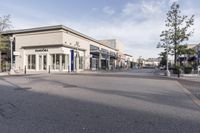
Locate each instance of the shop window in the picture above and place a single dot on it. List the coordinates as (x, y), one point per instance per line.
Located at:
(53, 60)
(59, 61)
(81, 62)
(65, 61)
(31, 62)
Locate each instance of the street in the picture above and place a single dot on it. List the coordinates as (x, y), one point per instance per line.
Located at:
(60, 103)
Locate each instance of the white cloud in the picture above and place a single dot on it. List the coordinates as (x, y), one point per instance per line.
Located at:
(143, 9)
(108, 10)
(172, 1)
(138, 26)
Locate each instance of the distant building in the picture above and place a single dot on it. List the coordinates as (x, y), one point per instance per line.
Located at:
(152, 62)
(124, 60)
(196, 57)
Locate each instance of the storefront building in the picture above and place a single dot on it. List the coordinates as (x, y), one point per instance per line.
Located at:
(58, 49)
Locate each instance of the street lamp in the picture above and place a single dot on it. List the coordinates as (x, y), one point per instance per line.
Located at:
(140, 62)
(77, 46)
(167, 64)
(11, 52)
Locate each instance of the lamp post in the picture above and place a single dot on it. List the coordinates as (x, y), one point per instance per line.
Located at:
(11, 53)
(167, 64)
(76, 46)
(140, 63)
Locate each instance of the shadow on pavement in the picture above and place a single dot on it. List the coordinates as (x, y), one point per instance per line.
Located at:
(27, 111)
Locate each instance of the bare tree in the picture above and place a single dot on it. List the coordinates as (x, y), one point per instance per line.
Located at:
(5, 23)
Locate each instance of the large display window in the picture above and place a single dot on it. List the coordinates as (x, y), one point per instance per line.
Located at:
(81, 62)
(59, 61)
(32, 62)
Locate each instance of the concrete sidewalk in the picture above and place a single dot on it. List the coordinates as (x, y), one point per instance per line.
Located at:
(4, 73)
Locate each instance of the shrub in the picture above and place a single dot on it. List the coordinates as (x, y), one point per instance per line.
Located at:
(176, 69)
(187, 70)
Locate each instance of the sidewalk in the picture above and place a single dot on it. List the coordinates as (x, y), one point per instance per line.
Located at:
(102, 71)
(189, 77)
(4, 74)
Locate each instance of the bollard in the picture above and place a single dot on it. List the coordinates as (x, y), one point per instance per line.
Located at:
(178, 73)
(49, 69)
(25, 70)
(68, 69)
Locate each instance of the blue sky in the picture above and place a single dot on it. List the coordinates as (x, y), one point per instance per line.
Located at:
(137, 23)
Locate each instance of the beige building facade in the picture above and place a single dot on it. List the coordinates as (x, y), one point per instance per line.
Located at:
(59, 48)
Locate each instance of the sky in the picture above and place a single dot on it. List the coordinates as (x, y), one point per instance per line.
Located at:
(136, 23)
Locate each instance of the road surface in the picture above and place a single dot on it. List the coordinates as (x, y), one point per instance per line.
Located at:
(95, 104)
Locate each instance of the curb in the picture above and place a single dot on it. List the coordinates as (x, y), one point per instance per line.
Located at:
(190, 95)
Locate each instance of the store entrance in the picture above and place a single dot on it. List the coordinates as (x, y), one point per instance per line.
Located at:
(42, 62)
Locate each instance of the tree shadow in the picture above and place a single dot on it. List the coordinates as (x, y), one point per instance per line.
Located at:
(169, 98)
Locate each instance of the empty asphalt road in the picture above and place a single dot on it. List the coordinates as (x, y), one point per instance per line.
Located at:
(95, 104)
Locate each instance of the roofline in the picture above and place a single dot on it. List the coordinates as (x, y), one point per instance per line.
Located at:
(128, 55)
(49, 28)
(52, 45)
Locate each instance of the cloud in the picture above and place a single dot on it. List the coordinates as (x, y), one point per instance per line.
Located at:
(108, 10)
(143, 9)
(172, 1)
(137, 25)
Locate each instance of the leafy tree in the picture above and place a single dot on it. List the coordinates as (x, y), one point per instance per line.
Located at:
(190, 52)
(177, 30)
(5, 24)
(184, 50)
(163, 61)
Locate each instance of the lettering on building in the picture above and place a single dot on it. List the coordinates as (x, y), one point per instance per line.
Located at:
(41, 50)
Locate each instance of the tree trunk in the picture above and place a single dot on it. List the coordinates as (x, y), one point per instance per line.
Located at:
(175, 40)
(175, 56)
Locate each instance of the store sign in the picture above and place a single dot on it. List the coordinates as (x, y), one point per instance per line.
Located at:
(41, 50)
(16, 53)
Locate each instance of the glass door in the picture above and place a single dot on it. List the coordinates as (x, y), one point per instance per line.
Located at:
(42, 62)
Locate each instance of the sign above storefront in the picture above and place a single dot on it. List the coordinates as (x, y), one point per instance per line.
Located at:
(41, 50)
(16, 53)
